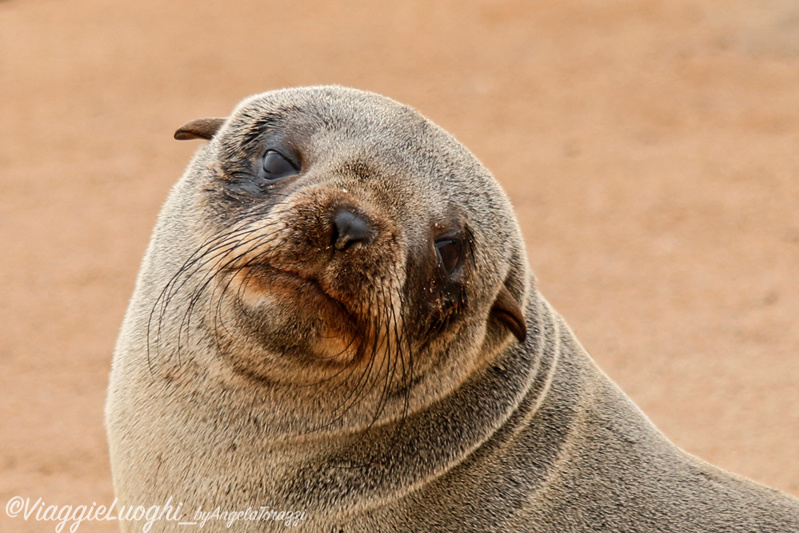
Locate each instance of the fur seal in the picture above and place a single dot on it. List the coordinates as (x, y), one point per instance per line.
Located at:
(335, 317)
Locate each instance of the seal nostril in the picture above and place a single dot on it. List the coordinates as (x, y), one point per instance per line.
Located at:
(348, 228)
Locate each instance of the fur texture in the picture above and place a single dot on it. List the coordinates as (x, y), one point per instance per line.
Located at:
(374, 388)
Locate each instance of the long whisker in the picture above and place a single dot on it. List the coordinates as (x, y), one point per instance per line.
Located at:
(210, 254)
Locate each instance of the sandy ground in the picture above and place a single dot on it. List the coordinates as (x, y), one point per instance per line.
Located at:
(651, 149)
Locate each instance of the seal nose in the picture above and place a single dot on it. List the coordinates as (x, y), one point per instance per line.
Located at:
(348, 228)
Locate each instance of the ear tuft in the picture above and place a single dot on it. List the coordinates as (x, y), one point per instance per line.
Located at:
(202, 128)
(508, 311)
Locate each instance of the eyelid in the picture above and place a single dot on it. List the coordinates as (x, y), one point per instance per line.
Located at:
(451, 235)
(290, 159)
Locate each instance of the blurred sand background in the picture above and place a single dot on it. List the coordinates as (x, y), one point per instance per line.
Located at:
(651, 149)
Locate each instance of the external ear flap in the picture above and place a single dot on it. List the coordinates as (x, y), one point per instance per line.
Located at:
(508, 311)
(202, 128)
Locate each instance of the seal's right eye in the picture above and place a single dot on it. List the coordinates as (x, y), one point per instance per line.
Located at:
(449, 251)
(275, 166)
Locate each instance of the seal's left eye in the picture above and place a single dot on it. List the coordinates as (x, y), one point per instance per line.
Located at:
(276, 166)
(449, 254)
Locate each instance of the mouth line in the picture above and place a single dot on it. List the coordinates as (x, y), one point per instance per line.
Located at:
(273, 277)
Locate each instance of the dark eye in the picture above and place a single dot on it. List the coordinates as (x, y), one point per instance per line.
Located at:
(275, 166)
(449, 255)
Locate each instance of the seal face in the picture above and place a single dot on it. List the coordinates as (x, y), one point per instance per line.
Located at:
(324, 264)
(335, 315)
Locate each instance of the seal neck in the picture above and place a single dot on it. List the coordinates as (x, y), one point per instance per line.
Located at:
(486, 410)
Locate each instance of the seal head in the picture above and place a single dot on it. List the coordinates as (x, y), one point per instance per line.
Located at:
(335, 245)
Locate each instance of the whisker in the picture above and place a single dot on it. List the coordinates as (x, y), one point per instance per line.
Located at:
(207, 258)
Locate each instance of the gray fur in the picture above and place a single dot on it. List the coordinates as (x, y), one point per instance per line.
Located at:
(491, 435)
